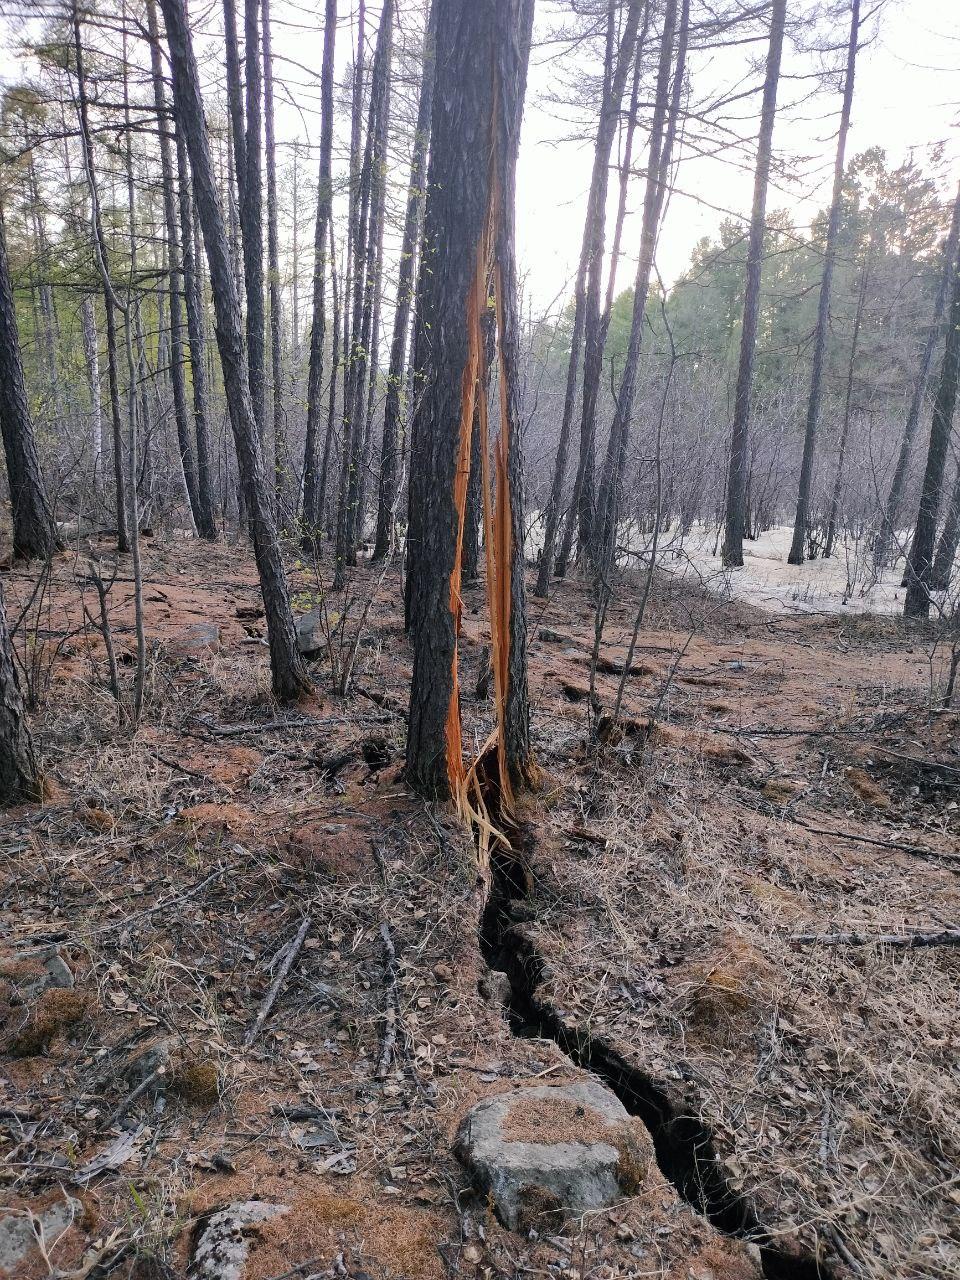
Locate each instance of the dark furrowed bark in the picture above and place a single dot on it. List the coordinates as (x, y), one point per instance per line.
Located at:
(32, 520)
(732, 552)
(19, 775)
(481, 67)
(287, 667)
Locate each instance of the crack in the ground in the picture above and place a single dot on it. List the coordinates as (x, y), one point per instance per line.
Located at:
(683, 1144)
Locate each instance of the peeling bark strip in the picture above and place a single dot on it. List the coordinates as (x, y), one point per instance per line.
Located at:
(468, 239)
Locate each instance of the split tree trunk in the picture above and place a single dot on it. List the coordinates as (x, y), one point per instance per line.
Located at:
(740, 440)
(468, 230)
(287, 667)
(801, 522)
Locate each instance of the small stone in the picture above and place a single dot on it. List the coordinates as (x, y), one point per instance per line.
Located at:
(18, 1238)
(495, 988)
(549, 1152)
(195, 641)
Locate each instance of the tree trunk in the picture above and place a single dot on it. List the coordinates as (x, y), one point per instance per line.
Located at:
(367, 229)
(468, 231)
(893, 511)
(109, 297)
(280, 463)
(847, 402)
(802, 518)
(591, 269)
(943, 561)
(732, 553)
(335, 364)
(197, 339)
(19, 775)
(312, 504)
(91, 352)
(662, 133)
(33, 529)
(287, 668)
(409, 253)
(176, 287)
(251, 215)
(919, 586)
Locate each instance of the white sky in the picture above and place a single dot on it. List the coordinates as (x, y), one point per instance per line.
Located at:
(907, 98)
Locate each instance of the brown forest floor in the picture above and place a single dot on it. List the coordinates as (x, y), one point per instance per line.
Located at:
(667, 879)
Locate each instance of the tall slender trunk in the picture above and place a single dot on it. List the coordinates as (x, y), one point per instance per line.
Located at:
(33, 529)
(619, 59)
(409, 255)
(312, 500)
(893, 510)
(335, 365)
(919, 561)
(175, 275)
(847, 405)
(802, 519)
(468, 232)
(132, 323)
(110, 305)
(570, 524)
(735, 518)
(280, 462)
(287, 668)
(197, 339)
(367, 229)
(251, 215)
(91, 352)
(662, 134)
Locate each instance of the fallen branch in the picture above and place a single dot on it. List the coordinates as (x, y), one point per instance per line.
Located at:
(919, 851)
(292, 951)
(949, 937)
(390, 1013)
(935, 766)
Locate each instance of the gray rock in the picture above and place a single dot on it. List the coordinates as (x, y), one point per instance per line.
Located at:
(195, 641)
(552, 1152)
(56, 973)
(312, 631)
(223, 1246)
(495, 988)
(18, 1236)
